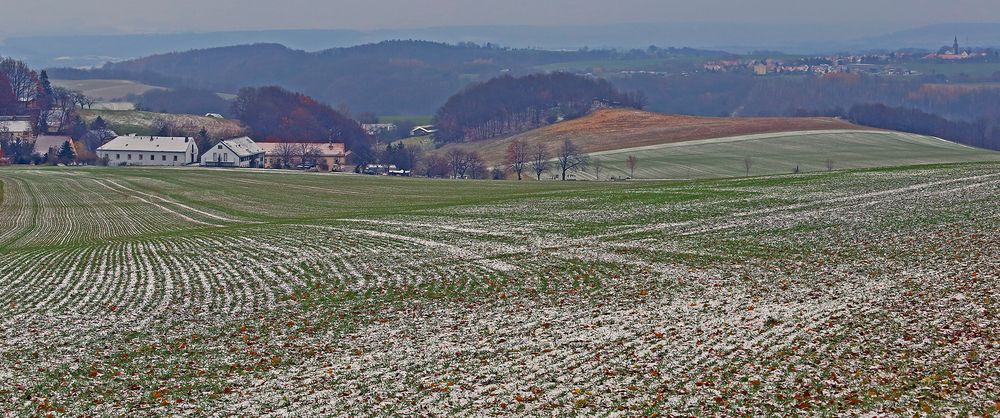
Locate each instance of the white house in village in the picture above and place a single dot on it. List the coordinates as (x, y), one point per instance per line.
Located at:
(236, 152)
(150, 151)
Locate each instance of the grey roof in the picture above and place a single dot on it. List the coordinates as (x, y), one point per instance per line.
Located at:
(243, 146)
(147, 144)
(44, 142)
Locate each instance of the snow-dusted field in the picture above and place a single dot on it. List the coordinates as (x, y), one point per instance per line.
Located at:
(216, 293)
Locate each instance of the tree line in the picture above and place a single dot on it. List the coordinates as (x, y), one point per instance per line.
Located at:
(984, 132)
(507, 105)
(522, 160)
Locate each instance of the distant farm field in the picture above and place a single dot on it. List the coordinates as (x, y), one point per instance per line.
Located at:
(196, 292)
(106, 89)
(782, 153)
(145, 123)
(118, 106)
(688, 147)
(607, 130)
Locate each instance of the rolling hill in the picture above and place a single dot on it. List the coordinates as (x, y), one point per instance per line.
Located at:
(669, 146)
(106, 89)
(392, 77)
(781, 153)
(145, 123)
(613, 129)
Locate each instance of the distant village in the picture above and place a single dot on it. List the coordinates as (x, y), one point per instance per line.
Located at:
(876, 64)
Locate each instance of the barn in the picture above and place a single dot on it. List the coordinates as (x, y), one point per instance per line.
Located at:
(236, 152)
(150, 151)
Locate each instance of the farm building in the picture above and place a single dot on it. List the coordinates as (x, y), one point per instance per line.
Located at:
(375, 128)
(45, 143)
(423, 130)
(149, 151)
(332, 155)
(18, 127)
(380, 169)
(236, 152)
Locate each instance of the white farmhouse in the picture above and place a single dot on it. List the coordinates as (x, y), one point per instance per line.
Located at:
(150, 151)
(236, 152)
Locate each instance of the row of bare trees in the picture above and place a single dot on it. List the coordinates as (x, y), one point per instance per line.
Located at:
(522, 156)
(305, 154)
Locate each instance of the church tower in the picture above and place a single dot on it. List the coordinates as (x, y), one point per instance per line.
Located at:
(955, 51)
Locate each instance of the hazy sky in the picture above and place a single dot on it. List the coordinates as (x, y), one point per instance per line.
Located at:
(147, 16)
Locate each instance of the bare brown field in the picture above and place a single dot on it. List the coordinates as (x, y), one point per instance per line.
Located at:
(613, 129)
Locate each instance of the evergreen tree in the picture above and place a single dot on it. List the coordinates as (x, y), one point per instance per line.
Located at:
(46, 84)
(98, 124)
(66, 153)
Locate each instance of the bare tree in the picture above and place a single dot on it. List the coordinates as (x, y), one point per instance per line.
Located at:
(436, 166)
(308, 153)
(540, 159)
(517, 156)
(79, 99)
(748, 164)
(286, 153)
(829, 164)
(475, 165)
(62, 97)
(631, 162)
(458, 159)
(597, 171)
(22, 79)
(498, 172)
(571, 157)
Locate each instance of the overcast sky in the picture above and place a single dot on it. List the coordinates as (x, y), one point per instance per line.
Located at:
(157, 16)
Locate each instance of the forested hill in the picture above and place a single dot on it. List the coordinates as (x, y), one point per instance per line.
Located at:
(507, 105)
(392, 77)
